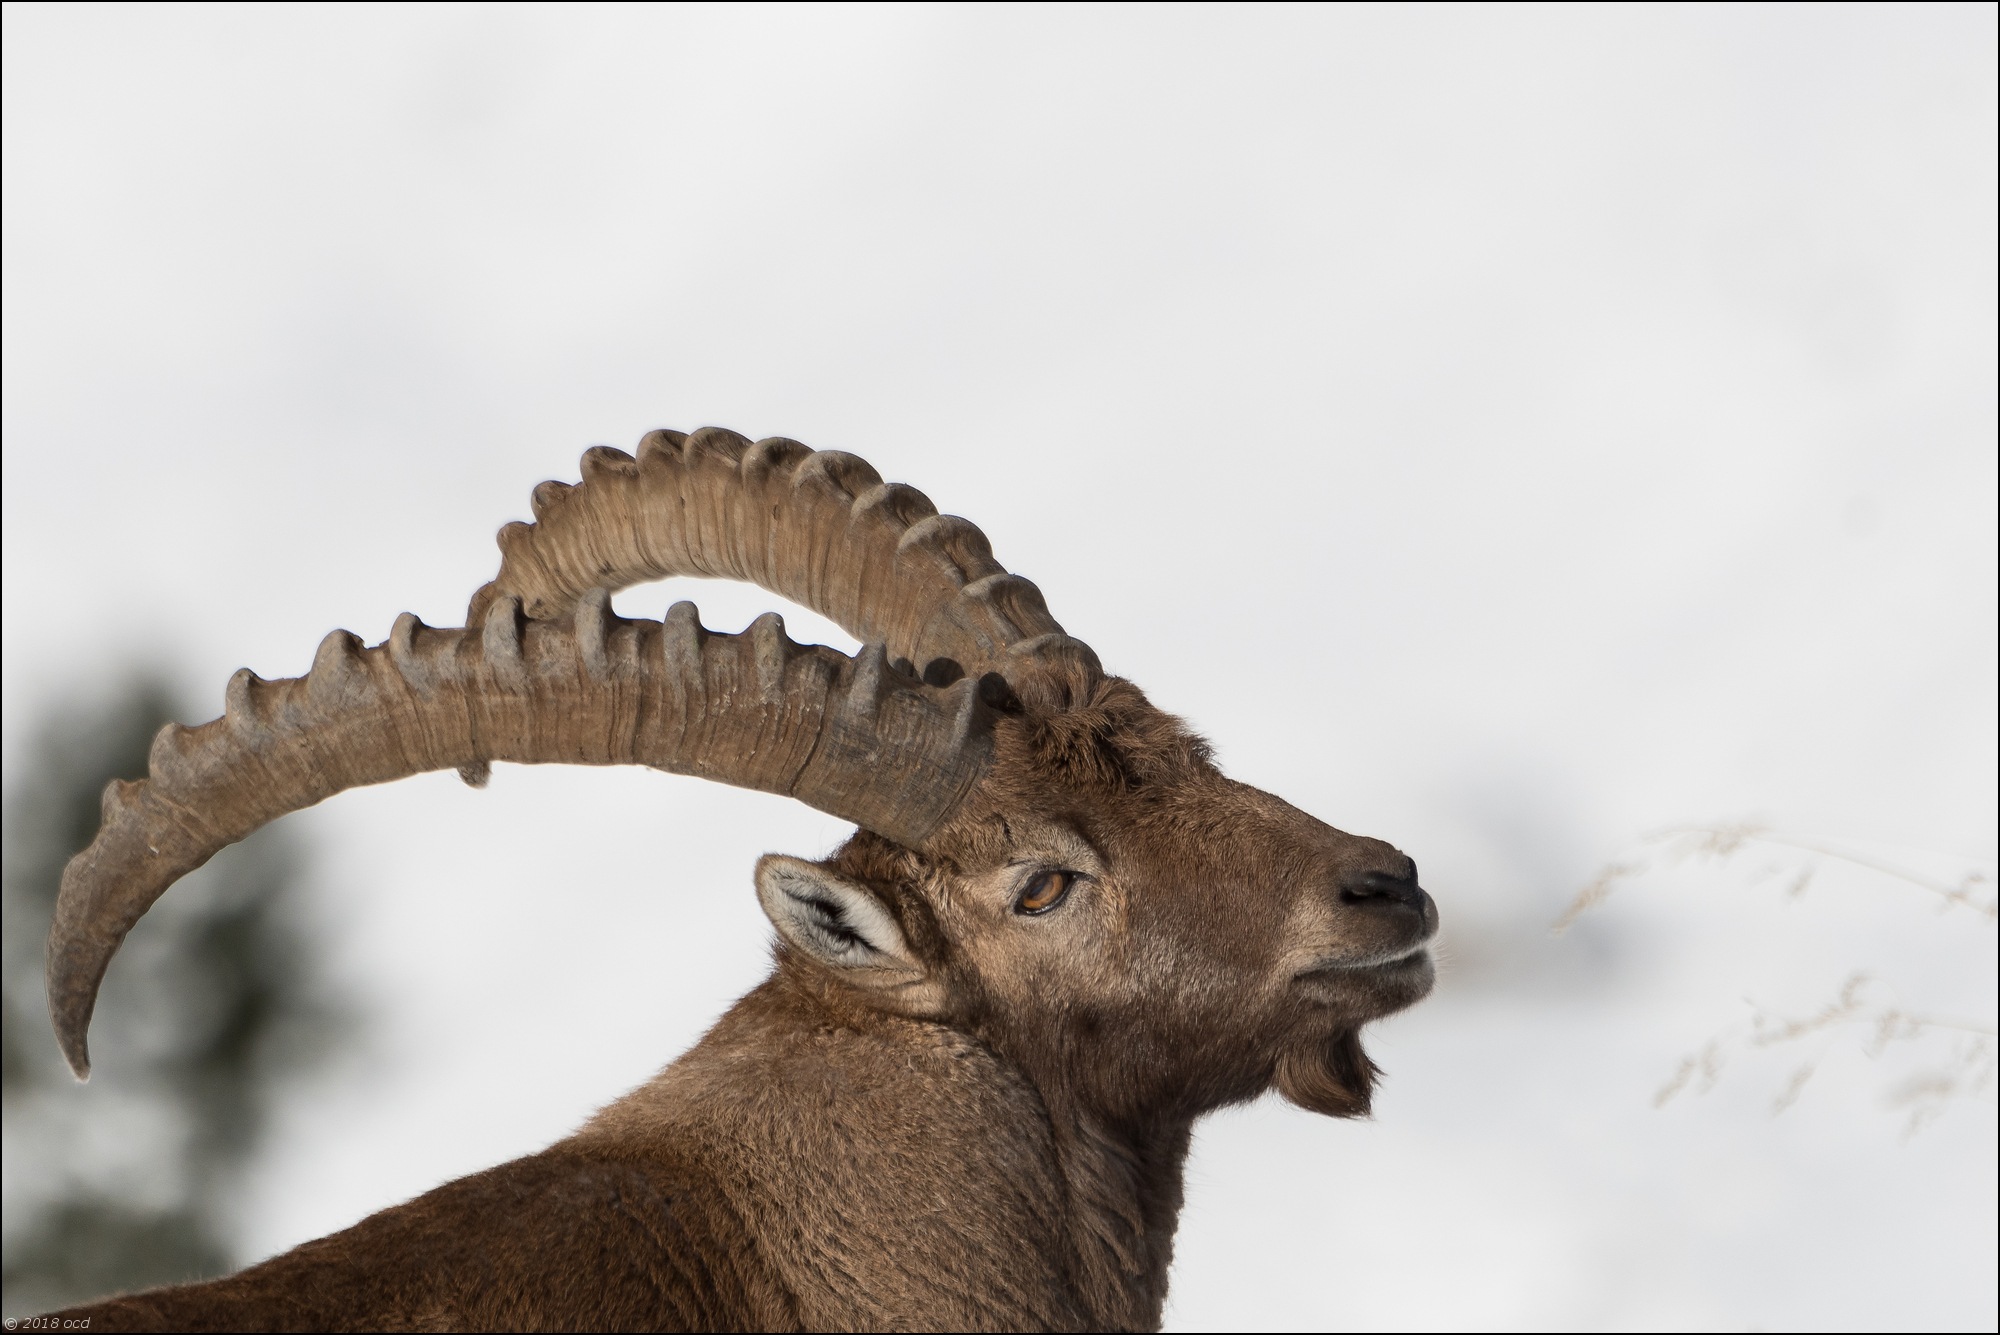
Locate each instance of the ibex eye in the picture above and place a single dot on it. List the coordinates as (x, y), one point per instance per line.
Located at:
(1044, 891)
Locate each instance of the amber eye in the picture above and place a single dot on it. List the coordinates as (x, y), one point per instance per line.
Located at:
(1044, 891)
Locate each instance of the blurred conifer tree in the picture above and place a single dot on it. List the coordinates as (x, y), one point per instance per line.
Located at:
(125, 1182)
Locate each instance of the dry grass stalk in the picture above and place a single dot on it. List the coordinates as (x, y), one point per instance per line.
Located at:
(1966, 1070)
(1680, 844)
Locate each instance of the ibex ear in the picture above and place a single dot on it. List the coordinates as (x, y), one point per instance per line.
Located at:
(840, 924)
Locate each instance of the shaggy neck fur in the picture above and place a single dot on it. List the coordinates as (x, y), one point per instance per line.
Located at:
(1034, 1214)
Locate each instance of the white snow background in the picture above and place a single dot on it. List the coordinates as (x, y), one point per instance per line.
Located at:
(1503, 431)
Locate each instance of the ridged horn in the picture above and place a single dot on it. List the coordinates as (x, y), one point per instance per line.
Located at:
(851, 736)
(818, 527)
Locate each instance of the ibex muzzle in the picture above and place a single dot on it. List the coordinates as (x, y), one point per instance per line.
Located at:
(964, 1096)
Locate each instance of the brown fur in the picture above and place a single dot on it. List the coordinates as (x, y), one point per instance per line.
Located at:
(999, 1147)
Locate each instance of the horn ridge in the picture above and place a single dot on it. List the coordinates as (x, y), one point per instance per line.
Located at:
(818, 527)
(756, 710)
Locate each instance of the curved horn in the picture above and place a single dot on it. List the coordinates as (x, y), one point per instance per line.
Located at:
(818, 527)
(852, 737)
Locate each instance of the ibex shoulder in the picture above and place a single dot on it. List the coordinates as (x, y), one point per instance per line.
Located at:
(647, 1244)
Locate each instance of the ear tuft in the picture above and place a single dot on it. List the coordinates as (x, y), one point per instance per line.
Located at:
(834, 920)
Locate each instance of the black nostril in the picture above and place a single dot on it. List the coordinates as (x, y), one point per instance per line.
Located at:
(1384, 885)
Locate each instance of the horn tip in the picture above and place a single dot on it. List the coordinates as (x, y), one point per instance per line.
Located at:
(70, 1010)
(79, 1063)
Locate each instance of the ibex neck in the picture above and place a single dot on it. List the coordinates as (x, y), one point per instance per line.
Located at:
(1123, 1187)
(900, 1174)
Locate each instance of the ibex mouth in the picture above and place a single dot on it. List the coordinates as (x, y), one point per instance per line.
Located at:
(1407, 958)
(1371, 988)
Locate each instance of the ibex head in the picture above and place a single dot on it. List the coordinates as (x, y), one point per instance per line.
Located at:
(1045, 861)
(1142, 935)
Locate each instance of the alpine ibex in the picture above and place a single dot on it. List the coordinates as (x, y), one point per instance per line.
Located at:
(963, 1097)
